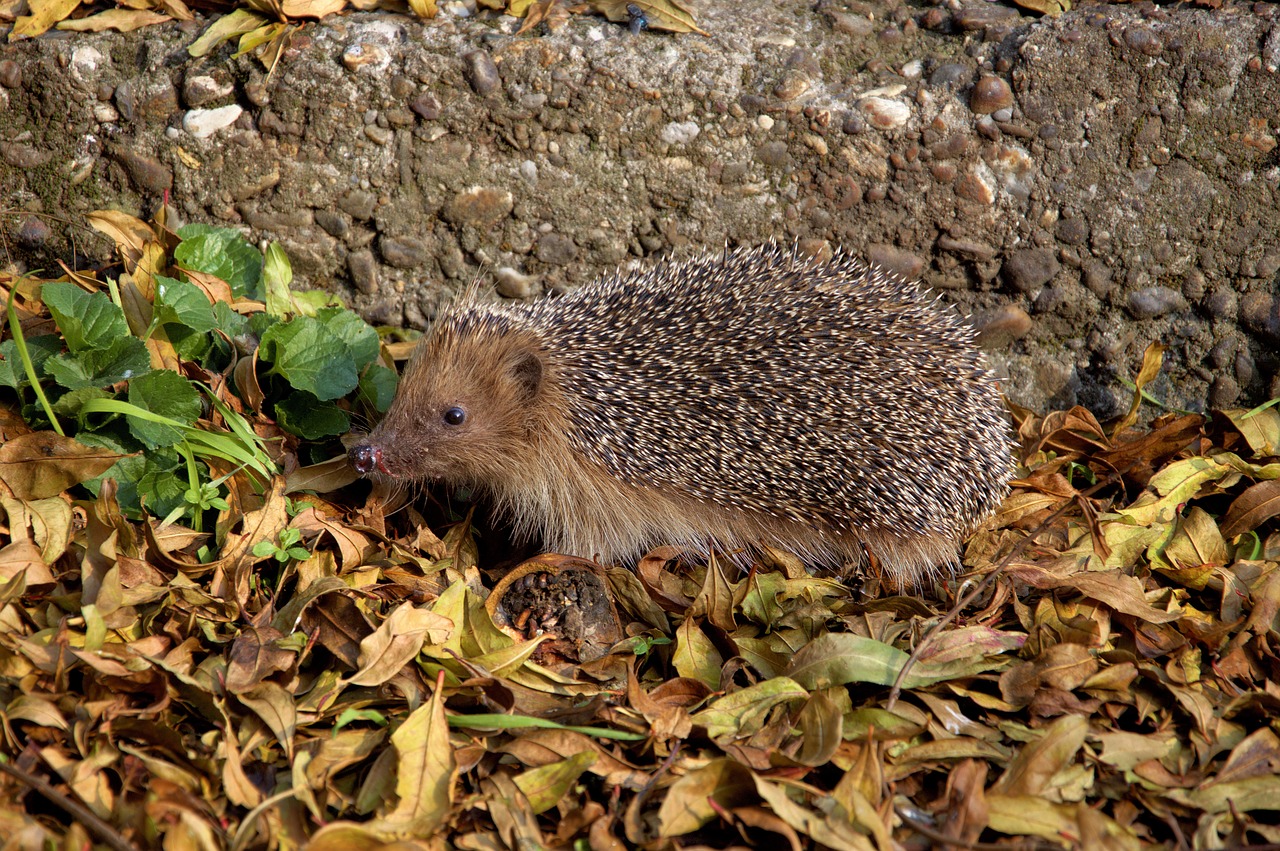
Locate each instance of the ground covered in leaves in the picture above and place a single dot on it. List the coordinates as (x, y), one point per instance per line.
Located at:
(280, 660)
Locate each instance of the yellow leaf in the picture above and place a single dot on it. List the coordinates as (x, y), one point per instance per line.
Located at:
(121, 20)
(424, 776)
(44, 14)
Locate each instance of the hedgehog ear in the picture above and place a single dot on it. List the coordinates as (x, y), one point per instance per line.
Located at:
(527, 370)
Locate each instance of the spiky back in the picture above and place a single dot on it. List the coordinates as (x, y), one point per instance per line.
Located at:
(764, 381)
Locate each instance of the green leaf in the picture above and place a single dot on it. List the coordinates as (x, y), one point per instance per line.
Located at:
(223, 252)
(838, 658)
(310, 357)
(86, 321)
(229, 322)
(198, 346)
(69, 404)
(183, 303)
(126, 358)
(277, 275)
(378, 385)
(743, 712)
(308, 417)
(359, 335)
(168, 394)
(40, 349)
(135, 474)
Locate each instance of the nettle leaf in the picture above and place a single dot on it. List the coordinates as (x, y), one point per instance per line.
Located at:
(359, 336)
(168, 394)
(70, 403)
(229, 322)
(12, 372)
(308, 417)
(126, 358)
(183, 303)
(87, 321)
(196, 345)
(378, 385)
(223, 252)
(309, 356)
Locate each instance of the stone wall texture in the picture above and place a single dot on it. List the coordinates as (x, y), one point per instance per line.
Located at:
(1081, 186)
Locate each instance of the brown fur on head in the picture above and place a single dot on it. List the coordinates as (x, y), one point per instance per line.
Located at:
(467, 405)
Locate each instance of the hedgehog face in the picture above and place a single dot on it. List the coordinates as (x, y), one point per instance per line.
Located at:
(462, 413)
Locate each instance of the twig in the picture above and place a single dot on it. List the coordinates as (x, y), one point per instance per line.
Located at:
(105, 832)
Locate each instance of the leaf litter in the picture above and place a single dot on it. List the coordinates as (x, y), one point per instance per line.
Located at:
(279, 661)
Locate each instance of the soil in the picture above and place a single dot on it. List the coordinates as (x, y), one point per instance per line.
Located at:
(1082, 186)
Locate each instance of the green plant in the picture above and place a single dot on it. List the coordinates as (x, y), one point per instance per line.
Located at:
(189, 365)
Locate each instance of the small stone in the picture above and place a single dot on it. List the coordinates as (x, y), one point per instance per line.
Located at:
(1222, 304)
(1151, 302)
(949, 75)
(972, 17)
(358, 204)
(972, 186)
(105, 113)
(1193, 285)
(377, 135)
(980, 251)
(1224, 352)
(1071, 231)
(1029, 269)
(793, 85)
(1246, 368)
(1144, 41)
(334, 223)
(86, 66)
(11, 74)
(884, 113)
(764, 122)
(147, 173)
(403, 252)
(480, 72)
(146, 99)
(859, 25)
(203, 123)
(203, 89)
(426, 106)
(913, 70)
(366, 58)
(364, 271)
(904, 263)
(33, 233)
(556, 249)
(773, 154)
(479, 207)
(1097, 279)
(23, 156)
(1000, 327)
(990, 94)
(1260, 313)
(1224, 392)
(529, 172)
(680, 132)
(512, 284)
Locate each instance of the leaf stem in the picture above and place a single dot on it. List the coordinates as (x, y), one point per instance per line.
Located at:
(15, 328)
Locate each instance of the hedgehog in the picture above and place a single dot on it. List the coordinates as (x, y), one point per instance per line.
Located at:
(727, 402)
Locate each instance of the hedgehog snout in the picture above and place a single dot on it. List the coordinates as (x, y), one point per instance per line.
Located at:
(366, 458)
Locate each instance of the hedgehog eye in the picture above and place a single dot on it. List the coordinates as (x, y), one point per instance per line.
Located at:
(455, 416)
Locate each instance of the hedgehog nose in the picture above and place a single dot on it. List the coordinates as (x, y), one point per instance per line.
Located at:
(365, 458)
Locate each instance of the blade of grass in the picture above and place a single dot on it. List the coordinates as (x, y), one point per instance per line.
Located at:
(496, 721)
(15, 328)
(224, 445)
